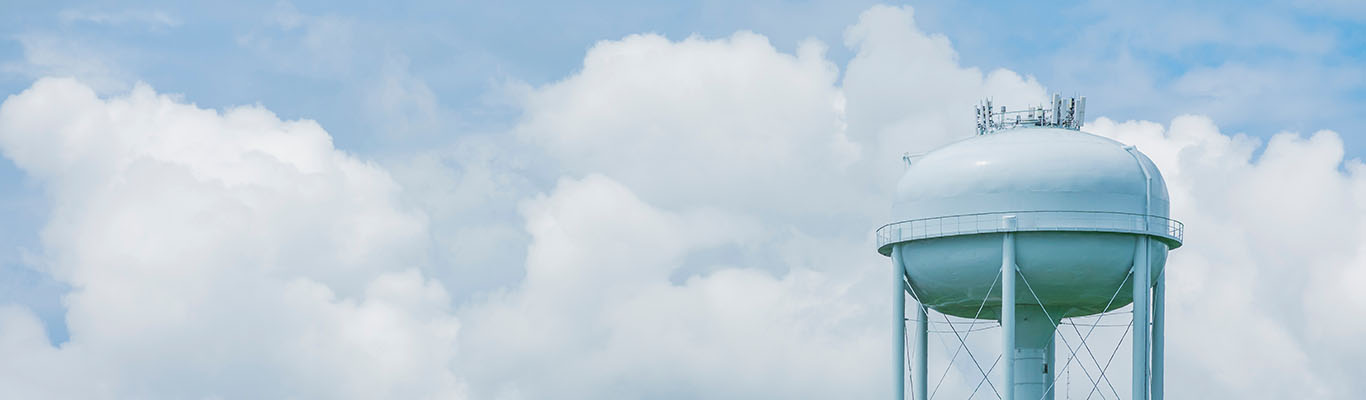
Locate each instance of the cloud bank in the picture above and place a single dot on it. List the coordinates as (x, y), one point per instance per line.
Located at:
(705, 233)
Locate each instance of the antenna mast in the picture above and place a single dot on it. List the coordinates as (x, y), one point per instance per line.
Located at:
(1068, 113)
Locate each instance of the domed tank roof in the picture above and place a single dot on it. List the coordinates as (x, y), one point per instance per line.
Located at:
(1041, 178)
(1030, 169)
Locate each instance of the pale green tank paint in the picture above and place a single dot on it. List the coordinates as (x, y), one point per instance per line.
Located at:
(1076, 208)
(1081, 201)
(1073, 273)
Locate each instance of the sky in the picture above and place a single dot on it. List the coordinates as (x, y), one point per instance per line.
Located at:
(524, 200)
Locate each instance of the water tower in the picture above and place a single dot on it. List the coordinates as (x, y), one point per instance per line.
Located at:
(1058, 222)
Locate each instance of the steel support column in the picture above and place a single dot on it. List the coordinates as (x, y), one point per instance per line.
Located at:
(1142, 284)
(1008, 307)
(899, 326)
(920, 369)
(1159, 326)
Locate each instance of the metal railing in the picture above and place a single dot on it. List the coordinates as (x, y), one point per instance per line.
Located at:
(1026, 221)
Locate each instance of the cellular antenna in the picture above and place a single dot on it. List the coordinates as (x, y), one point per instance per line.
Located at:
(1065, 113)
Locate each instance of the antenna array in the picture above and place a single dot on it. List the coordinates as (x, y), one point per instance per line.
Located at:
(1068, 113)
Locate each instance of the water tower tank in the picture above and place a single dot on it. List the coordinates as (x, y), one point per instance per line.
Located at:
(1033, 209)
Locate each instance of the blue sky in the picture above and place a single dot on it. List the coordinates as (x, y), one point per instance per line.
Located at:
(1293, 66)
(467, 93)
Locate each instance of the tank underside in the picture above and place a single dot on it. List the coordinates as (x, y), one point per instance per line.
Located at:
(1072, 273)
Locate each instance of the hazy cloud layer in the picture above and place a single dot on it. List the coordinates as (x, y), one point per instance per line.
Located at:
(688, 219)
(152, 19)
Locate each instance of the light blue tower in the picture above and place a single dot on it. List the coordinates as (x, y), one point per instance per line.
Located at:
(1061, 222)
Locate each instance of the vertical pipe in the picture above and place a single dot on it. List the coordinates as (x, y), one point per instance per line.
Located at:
(1033, 333)
(1159, 325)
(922, 348)
(1141, 286)
(1008, 306)
(898, 326)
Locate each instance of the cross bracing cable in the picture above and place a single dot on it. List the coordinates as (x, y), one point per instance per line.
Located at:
(1112, 358)
(1064, 338)
(962, 341)
(984, 377)
(1088, 333)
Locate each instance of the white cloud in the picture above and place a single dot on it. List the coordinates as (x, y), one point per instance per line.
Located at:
(218, 255)
(597, 316)
(907, 92)
(921, 67)
(699, 121)
(1271, 244)
(470, 192)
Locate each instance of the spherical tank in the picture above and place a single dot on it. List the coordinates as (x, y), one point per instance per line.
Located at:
(1077, 204)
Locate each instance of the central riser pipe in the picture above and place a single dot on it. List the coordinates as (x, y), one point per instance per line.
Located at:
(1033, 353)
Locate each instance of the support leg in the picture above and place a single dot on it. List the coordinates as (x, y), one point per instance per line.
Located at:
(1008, 308)
(920, 371)
(1142, 284)
(1159, 325)
(899, 326)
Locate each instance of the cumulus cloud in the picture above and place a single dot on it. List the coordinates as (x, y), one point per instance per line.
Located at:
(218, 255)
(1274, 245)
(597, 315)
(677, 219)
(470, 193)
(700, 121)
(907, 91)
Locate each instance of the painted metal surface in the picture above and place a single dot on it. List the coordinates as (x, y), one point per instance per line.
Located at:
(1072, 273)
(1030, 354)
(1079, 202)
(1159, 341)
(899, 324)
(1008, 277)
(920, 372)
(1029, 169)
(1142, 285)
(1170, 231)
(1026, 333)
